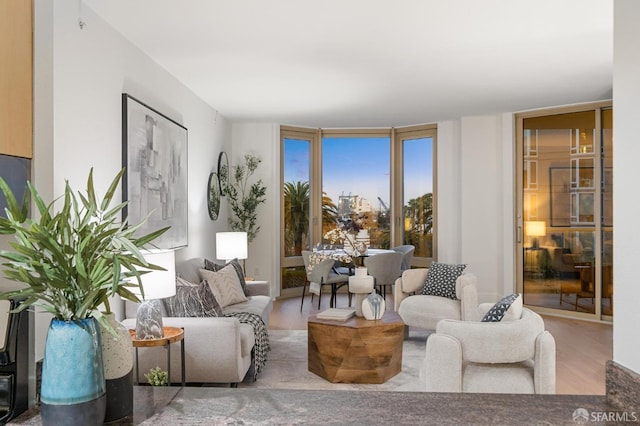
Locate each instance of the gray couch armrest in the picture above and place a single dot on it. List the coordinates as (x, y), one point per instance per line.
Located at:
(258, 288)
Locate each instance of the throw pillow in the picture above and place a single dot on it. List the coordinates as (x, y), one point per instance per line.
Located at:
(192, 300)
(225, 285)
(441, 279)
(498, 311)
(212, 266)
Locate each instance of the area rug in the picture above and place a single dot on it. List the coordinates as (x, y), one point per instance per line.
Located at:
(286, 366)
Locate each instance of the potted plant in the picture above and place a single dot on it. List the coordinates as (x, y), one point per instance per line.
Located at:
(72, 260)
(243, 197)
(157, 377)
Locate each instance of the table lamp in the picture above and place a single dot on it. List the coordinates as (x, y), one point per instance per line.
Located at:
(157, 285)
(535, 229)
(232, 245)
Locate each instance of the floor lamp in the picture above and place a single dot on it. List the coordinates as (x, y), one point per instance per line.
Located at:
(157, 285)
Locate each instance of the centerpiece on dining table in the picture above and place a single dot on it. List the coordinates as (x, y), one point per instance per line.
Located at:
(353, 244)
(350, 235)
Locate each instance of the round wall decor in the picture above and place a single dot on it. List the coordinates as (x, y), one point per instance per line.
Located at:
(223, 170)
(213, 196)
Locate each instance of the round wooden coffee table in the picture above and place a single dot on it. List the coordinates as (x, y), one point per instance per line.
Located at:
(356, 350)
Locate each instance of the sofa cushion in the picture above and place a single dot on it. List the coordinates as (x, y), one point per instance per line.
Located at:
(225, 285)
(514, 377)
(192, 300)
(441, 279)
(425, 311)
(512, 302)
(259, 305)
(212, 266)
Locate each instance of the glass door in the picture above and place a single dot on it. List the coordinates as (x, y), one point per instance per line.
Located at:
(564, 216)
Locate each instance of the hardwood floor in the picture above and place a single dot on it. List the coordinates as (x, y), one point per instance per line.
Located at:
(582, 347)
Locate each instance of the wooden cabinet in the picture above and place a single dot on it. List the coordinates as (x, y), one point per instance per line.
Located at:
(16, 78)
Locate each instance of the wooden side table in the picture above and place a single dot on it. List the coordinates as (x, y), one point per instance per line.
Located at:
(171, 335)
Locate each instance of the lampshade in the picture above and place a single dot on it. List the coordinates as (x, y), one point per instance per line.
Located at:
(158, 284)
(535, 228)
(231, 245)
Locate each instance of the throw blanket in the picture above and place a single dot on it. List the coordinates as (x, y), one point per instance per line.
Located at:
(261, 347)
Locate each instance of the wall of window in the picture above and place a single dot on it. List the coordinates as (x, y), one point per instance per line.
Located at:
(378, 180)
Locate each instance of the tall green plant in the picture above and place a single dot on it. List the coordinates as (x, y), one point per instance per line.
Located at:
(243, 197)
(72, 260)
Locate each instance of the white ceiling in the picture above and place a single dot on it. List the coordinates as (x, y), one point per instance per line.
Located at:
(374, 63)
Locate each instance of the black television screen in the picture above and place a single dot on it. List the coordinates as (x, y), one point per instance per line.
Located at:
(15, 171)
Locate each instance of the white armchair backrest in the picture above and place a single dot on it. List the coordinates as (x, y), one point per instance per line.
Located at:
(412, 280)
(464, 280)
(496, 342)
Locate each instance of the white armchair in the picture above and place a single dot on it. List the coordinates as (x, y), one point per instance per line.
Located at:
(424, 311)
(491, 357)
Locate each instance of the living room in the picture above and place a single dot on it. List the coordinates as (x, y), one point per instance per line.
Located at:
(80, 74)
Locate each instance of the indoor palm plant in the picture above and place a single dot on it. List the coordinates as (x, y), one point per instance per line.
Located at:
(72, 260)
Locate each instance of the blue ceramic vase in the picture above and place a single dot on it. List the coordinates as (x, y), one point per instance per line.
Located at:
(73, 384)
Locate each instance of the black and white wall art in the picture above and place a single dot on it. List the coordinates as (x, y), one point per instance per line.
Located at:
(154, 152)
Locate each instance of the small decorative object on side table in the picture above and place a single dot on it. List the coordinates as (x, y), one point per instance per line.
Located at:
(361, 285)
(373, 306)
(171, 335)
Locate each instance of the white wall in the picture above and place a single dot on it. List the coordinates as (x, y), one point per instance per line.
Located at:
(626, 104)
(80, 76)
(448, 195)
(262, 140)
(475, 197)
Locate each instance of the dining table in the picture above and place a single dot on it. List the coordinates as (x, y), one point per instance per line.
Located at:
(341, 268)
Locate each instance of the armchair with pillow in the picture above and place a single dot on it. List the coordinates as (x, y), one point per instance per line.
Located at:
(221, 316)
(422, 296)
(508, 351)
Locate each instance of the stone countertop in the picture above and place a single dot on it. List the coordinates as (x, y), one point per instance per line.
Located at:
(160, 406)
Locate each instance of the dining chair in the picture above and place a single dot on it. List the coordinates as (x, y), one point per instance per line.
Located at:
(322, 274)
(385, 268)
(407, 251)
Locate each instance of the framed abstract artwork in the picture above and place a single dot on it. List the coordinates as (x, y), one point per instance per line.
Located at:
(154, 153)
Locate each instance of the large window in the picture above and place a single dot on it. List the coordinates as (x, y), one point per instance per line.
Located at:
(297, 208)
(380, 180)
(356, 184)
(417, 202)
